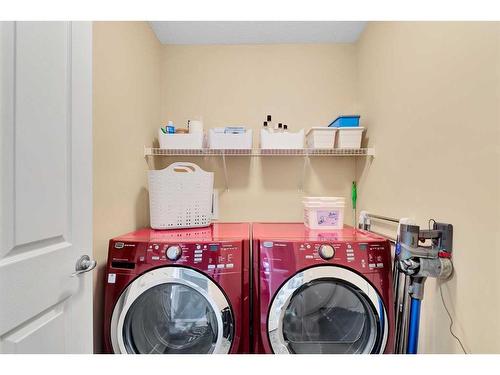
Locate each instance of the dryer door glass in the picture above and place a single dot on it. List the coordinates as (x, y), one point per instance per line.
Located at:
(330, 316)
(170, 319)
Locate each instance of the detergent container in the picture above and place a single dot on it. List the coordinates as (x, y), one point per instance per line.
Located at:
(324, 212)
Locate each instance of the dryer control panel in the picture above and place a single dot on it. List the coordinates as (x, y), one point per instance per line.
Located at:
(363, 256)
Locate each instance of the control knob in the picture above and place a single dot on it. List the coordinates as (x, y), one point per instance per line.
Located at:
(173, 252)
(326, 251)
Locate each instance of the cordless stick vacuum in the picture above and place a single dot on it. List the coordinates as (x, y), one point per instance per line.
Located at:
(420, 262)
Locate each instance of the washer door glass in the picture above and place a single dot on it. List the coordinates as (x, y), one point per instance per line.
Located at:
(170, 318)
(330, 316)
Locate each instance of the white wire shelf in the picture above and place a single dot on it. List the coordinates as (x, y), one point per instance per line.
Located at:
(303, 152)
(151, 151)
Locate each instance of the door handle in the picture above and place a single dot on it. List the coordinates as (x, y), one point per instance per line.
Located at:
(84, 264)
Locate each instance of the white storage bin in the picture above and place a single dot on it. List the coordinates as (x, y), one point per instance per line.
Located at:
(180, 140)
(180, 196)
(349, 137)
(224, 141)
(321, 137)
(284, 140)
(324, 212)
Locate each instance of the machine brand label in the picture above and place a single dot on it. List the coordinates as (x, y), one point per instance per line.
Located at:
(121, 245)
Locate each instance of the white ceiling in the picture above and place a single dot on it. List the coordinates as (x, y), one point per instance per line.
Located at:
(257, 32)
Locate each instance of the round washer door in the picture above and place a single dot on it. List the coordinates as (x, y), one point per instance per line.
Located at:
(172, 310)
(327, 309)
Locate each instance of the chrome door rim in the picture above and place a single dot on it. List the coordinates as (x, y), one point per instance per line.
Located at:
(284, 294)
(171, 275)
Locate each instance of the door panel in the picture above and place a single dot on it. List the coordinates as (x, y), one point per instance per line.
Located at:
(171, 319)
(329, 316)
(46, 189)
(172, 310)
(33, 336)
(327, 309)
(42, 131)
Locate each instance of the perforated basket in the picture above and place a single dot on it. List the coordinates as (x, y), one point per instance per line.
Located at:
(180, 196)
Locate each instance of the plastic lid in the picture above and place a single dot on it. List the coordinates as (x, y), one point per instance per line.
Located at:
(280, 125)
(265, 123)
(345, 116)
(325, 205)
(268, 117)
(285, 126)
(323, 199)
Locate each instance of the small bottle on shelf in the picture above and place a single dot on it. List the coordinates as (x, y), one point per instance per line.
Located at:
(170, 127)
(269, 123)
(285, 128)
(265, 126)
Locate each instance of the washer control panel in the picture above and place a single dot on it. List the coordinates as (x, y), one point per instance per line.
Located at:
(216, 256)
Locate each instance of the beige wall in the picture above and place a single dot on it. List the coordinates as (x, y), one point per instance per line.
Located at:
(300, 85)
(430, 99)
(126, 114)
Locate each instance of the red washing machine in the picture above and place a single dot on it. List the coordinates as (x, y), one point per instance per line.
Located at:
(179, 291)
(321, 291)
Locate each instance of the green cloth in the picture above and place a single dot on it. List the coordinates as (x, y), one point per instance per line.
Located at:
(354, 194)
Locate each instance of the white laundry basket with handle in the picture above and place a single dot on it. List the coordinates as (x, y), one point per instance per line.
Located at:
(180, 196)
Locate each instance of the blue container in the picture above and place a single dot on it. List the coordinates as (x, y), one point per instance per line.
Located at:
(345, 122)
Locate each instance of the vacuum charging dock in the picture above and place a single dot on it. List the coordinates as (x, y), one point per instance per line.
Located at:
(419, 254)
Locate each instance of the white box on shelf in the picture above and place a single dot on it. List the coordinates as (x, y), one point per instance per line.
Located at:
(321, 137)
(285, 140)
(180, 140)
(349, 137)
(224, 141)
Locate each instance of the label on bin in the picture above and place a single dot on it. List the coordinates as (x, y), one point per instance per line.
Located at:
(327, 217)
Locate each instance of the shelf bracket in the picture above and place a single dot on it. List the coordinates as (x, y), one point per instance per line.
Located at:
(226, 180)
(149, 161)
(303, 175)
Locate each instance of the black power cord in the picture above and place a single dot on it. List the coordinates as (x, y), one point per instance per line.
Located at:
(451, 319)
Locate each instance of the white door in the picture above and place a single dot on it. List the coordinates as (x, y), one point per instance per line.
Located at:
(46, 186)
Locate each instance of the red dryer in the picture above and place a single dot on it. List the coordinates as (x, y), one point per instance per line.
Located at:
(321, 291)
(179, 291)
